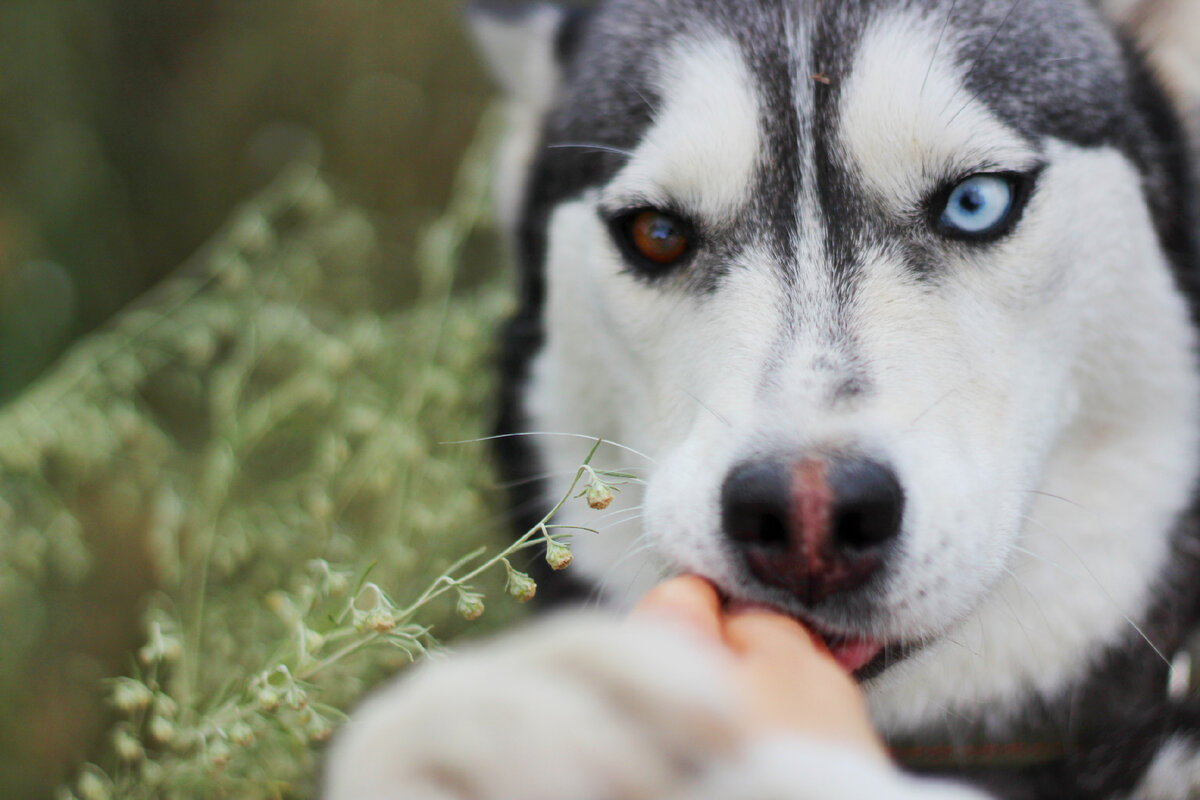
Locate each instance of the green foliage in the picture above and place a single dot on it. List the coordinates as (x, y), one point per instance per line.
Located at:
(133, 128)
(252, 463)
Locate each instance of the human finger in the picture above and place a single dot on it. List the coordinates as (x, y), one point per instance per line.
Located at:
(791, 682)
(689, 600)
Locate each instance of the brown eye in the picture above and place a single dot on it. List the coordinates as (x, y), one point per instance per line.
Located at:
(658, 237)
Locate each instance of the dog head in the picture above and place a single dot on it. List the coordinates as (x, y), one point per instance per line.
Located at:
(892, 293)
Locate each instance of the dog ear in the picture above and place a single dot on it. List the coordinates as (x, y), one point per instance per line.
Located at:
(1168, 31)
(521, 46)
(525, 47)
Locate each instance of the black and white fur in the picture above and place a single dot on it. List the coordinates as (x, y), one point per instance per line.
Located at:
(1037, 395)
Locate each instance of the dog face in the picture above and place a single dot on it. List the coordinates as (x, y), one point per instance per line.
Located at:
(888, 292)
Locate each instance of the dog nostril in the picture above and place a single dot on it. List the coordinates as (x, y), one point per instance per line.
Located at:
(755, 504)
(771, 529)
(754, 524)
(859, 530)
(868, 503)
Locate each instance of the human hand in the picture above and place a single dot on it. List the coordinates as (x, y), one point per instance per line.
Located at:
(788, 679)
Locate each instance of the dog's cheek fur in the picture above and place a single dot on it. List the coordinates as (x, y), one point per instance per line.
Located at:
(1124, 456)
(586, 381)
(662, 371)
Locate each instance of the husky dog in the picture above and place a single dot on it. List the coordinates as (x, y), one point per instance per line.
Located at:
(899, 299)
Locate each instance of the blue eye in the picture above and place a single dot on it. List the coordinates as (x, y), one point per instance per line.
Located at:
(979, 206)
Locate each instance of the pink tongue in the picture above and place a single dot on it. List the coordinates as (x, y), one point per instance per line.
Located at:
(854, 654)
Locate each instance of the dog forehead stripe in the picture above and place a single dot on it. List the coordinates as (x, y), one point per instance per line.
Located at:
(702, 146)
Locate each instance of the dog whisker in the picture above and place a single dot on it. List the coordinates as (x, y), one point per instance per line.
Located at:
(605, 583)
(979, 58)
(1005, 77)
(599, 148)
(534, 478)
(1017, 617)
(963, 645)
(636, 548)
(608, 442)
(931, 407)
(1057, 497)
(1099, 584)
(558, 473)
(938, 45)
(623, 517)
(703, 405)
(649, 106)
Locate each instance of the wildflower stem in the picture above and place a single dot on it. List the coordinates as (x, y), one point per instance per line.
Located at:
(445, 583)
(367, 640)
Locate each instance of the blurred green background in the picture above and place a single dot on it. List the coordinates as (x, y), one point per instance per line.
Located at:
(131, 131)
(131, 128)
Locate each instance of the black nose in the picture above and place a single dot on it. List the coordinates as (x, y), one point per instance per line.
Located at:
(816, 526)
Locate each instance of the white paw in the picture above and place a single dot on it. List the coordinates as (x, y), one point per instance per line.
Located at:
(579, 707)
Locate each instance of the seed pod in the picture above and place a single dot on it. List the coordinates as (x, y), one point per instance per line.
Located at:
(338, 584)
(318, 729)
(162, 730)
(93, 784)
(241, 734)
(599, 495)
(558, 555)
(164, 705)
(129, 695)
(318, 504)
(219, 754)
(521, 586)
(268, 699)
(379, 620)
(126, 746)
(295, 697)
(470, 606)
(162, 647)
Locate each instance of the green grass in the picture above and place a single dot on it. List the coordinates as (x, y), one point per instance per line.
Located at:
(233, 510)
